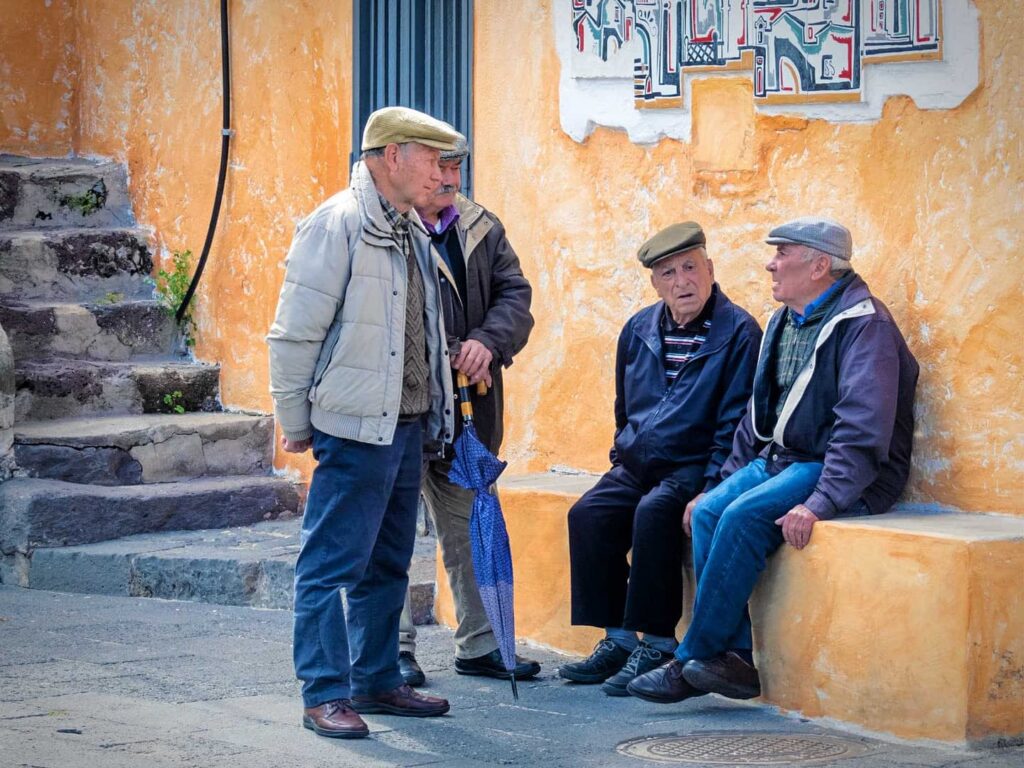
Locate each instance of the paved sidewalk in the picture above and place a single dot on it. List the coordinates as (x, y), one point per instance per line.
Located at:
(117, 682)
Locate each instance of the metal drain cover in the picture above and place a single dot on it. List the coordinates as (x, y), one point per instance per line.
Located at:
(741, 748)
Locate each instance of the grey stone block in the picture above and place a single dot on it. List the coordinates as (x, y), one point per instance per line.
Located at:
(51, 513)
(91, 573)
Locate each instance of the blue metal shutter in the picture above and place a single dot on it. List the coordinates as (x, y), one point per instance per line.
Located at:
(414, 53)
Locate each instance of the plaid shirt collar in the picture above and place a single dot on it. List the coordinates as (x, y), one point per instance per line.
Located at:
(398, 221)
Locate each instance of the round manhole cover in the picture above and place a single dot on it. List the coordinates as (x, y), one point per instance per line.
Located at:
(741, 748)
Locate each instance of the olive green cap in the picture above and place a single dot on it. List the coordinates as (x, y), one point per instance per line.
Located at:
(401, 125)
(670, 241)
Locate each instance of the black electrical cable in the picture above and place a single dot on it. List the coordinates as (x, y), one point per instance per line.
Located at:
(224, 141)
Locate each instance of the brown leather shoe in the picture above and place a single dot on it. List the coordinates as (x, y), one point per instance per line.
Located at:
(403, 701)
(727, 675)
(664, 685)
(335, 720)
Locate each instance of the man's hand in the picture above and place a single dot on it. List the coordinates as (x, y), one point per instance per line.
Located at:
(796, 525)
(474, 360)
(688, 514)
(296, 446)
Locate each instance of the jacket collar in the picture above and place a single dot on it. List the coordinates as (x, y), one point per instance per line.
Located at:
(473, 225)
(376, 229)
(723, 324)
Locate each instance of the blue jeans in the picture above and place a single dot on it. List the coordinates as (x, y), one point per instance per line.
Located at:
(734, 532)
(358, 531)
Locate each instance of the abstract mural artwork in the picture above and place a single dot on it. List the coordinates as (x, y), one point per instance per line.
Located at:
(797, 50)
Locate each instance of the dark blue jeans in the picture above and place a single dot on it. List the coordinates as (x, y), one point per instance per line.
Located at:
(358, 532)
(734, 532)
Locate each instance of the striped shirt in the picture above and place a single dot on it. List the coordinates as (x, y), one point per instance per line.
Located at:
(679, 343)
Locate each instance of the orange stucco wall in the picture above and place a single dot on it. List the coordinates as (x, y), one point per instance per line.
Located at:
(933, 199)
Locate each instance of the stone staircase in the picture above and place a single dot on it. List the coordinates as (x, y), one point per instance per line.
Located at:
(111, 494)
(97, 457)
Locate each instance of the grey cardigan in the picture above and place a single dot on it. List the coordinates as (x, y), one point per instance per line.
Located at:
(337, 342)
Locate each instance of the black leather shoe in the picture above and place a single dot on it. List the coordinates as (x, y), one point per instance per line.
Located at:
(727, 675)
(491, 665)
(605, 661)
(664, 685)
(411, 671)
(641, 661)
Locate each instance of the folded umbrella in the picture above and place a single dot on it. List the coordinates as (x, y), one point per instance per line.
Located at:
(476, 468)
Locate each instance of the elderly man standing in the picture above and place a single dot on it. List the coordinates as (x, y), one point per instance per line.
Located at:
(683, 373)
(359, 370)
(828, 435)
(487, 316)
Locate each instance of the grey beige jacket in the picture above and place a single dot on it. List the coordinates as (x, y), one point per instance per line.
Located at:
(338, 338)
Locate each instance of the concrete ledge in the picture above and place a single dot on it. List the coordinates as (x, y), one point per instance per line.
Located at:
(908, 623)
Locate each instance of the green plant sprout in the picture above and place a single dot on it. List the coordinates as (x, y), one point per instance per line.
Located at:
(171, 288)
(173, 401)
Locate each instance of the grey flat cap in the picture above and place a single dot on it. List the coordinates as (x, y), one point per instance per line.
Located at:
(824, 235)
(460, 151)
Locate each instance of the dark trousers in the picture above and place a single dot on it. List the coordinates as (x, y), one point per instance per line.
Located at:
(358, 532)
(619, 514)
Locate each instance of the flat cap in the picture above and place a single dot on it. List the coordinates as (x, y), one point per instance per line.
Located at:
(670, 241)
(460, 151)
(400, 125)
(824, 235)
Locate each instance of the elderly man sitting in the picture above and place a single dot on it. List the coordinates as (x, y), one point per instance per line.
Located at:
(827, 435)
(683, 373)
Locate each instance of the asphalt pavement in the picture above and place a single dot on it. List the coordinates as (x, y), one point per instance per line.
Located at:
(119, 682)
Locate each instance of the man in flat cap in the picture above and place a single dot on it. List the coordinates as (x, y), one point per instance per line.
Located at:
(683, 373)
(827, 435)
(486, 302)
(359, 371)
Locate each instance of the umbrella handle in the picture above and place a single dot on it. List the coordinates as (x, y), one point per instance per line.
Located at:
(462, 381)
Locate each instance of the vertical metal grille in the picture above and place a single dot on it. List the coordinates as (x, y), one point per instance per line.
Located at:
(414, 53)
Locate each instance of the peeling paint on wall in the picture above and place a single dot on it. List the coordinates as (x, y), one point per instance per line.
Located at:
(629, 63)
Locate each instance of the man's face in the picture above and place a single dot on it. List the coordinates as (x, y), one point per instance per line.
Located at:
(793, 281)
(451, 182)
(683, 281)
(417, 174)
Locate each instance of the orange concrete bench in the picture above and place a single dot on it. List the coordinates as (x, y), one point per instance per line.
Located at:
(909, 623)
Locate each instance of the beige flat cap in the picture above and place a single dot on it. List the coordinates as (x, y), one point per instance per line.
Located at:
(400, 125)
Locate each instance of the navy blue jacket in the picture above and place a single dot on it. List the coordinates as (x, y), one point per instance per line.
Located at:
(851, 407)
(687, 427)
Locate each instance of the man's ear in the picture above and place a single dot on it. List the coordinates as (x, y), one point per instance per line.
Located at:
(711, 269)
(391, 152)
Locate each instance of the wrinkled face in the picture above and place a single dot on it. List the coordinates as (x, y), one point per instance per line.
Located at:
(416, 173)
(451, 182)
(683, 281)
(794, 280)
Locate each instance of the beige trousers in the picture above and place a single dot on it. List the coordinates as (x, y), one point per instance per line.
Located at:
(450, 507)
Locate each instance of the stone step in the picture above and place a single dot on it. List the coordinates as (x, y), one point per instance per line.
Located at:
(57, 388)
(45, 192)
(102, 264)
(98, 331)
(152, 448)
(252, 566)
(38, 513)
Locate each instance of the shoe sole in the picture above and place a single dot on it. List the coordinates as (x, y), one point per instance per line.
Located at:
(614, 690)
(496, 674)
(387, 709)
(576, 677)
(711, 684)
(310, 725)
(657, 699)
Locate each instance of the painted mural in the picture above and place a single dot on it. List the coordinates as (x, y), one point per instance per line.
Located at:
(798, 50)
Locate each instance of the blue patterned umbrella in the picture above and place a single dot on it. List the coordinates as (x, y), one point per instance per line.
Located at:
(476, 469)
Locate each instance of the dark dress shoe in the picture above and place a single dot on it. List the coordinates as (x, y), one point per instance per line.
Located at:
(491, 665)
(727, 675)
(605, 661)
(664, 685)
(402, 701)
(411, 671)
(335, 720)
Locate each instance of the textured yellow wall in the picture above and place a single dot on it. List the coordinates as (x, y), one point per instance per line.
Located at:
(933, 199)
(38, 73)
